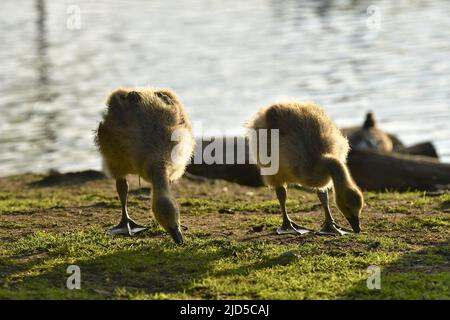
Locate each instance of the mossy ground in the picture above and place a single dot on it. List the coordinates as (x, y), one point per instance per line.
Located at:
(231, 249)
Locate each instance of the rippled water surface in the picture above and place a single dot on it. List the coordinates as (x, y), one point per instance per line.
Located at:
(225, 59)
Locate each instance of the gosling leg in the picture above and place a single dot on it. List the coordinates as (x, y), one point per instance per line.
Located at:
(126, 226)
(288, 225)
(329, 227)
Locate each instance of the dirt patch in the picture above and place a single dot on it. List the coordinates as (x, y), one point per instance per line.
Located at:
(214, 208)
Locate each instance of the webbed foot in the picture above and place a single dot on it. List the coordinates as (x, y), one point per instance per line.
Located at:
(292, 228)
(127, 227)
(332, 228)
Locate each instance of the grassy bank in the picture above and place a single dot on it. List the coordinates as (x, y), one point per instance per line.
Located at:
(231, 249)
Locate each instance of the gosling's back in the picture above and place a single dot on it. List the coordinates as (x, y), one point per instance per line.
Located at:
(136, 133)
(306, 133)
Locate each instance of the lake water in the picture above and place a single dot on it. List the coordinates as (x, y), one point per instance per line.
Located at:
(225, 59)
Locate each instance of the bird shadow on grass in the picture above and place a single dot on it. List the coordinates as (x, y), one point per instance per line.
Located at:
(445, 206)
(422, 274)
(152, 270)
(71, 178)
(149, 270)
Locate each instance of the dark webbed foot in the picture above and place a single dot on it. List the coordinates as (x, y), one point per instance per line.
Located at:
(292, 228)
(329, 227)
(127, 227)
(289, 226)
(332, 228)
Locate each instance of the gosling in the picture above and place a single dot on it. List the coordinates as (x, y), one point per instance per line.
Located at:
(312, 152)
(147, 132)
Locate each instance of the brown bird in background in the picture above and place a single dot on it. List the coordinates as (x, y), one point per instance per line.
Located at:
(370, 137)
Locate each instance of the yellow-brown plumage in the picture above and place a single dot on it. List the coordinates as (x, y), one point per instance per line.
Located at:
(147, 132)
(312, 152)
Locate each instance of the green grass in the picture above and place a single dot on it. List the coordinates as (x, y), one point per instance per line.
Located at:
(10, 203)
(406, 235)
(153, 268)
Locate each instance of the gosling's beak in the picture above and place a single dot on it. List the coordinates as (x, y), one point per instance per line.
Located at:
(176, 235)
(354, 222)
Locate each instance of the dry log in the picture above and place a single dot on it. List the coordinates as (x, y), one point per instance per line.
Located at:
(372, 170)
(380, 171)
(245, 173)
(421, 149)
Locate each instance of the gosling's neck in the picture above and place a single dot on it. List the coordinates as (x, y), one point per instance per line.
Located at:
(342, 180)
(339, 173)
(161, 188)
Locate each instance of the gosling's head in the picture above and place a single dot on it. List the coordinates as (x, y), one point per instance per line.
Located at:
(351, 202)
(168, 215)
